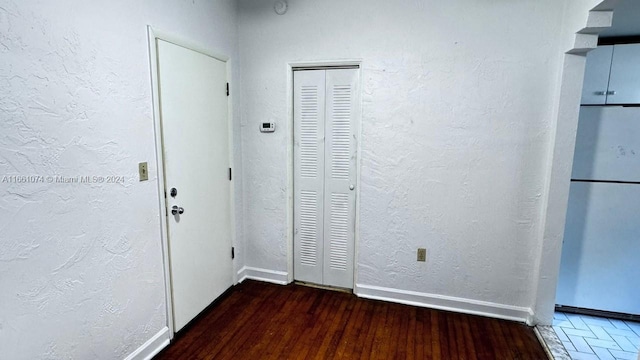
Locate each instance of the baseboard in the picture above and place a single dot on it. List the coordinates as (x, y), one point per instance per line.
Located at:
(448, 303)
(153, 346)
(272, 276)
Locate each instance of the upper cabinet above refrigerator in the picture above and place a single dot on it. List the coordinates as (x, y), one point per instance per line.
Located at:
(612, 75)
(624, 80)
(596, 76)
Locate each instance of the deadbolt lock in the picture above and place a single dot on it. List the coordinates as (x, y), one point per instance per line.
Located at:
(176, 210)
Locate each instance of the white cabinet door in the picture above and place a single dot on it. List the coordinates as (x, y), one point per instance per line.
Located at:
(325, 133)
(624, 81)
(596, 76)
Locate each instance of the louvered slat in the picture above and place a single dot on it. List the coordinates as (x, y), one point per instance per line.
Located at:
(308, 227)
(339, 236)
(309, 131)
(340, 132)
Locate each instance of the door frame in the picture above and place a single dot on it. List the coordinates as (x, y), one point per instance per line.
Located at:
(319, 65)
(153, 35)
(589, 20)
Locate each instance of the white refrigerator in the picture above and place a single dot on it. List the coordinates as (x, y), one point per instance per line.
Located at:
(600, 266)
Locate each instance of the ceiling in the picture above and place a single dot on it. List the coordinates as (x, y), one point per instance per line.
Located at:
(626, 19)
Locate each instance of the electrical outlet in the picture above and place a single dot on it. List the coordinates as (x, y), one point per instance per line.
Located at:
(422, 254)
(142, 170)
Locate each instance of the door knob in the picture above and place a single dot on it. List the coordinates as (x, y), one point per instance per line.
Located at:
(351, 187)
(175, 210)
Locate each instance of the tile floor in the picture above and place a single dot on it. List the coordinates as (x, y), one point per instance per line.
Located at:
(593, 338)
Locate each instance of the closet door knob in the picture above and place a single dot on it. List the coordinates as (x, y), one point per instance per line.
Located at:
(351, 187)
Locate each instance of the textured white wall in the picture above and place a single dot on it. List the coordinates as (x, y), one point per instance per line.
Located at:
(80, 265)
(458, 101)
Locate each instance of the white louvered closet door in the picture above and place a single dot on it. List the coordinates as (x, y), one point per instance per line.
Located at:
(308, 105)
(325, 211)
(340, 177)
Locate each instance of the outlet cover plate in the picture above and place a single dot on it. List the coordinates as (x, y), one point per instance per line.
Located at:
(143, 171)
(422, 254)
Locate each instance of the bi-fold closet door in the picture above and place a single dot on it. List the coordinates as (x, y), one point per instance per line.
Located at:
(326, 109)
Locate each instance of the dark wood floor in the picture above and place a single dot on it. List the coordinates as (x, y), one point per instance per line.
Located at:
(264, 321)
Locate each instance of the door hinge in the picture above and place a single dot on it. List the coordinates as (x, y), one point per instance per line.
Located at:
(227, 89)
(233, 252)
(229, 174)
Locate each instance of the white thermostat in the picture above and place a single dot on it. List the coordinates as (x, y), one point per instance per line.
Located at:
(267, 127)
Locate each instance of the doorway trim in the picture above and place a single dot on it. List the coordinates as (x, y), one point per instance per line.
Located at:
(320, 65)
(598, 17)
(152, 35)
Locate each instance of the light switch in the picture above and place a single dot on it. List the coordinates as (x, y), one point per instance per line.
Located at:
(142, 169)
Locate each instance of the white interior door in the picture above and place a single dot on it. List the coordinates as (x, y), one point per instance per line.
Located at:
(325, 133)
(194, 117)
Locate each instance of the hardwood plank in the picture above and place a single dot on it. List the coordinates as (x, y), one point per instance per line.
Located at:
(374, 322)
(292, 325)
(452, 339)
(195, 331)
(465, 330)
(499, 340)
(410, 332)
(320, 312)
(333, 326)
(419, 335)
(233, 328)
(476, 326)
(265, 321)
(350, 334)
(379, 336)
(403, 336)
(365, 326)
